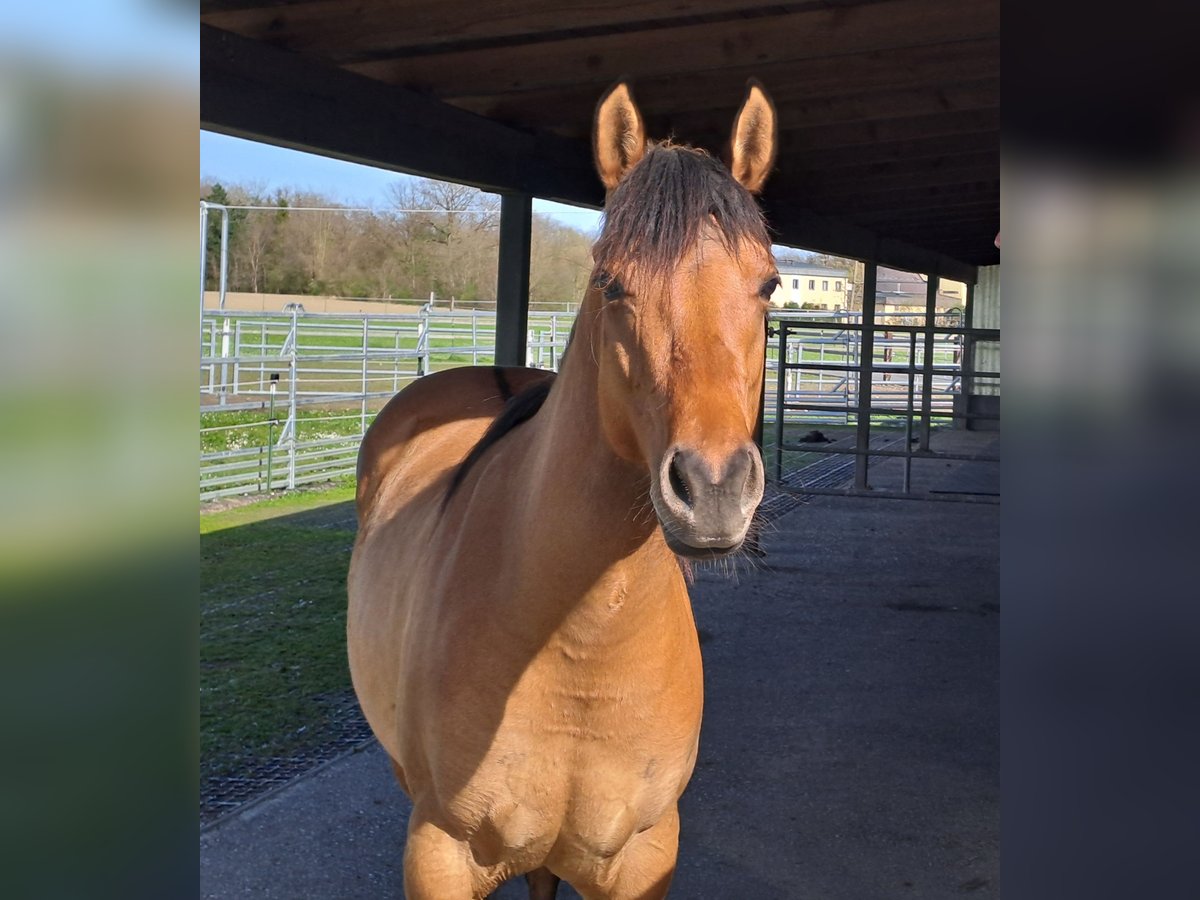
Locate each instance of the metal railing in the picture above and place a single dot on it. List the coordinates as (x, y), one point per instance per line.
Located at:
(899, 372)
(285, 398)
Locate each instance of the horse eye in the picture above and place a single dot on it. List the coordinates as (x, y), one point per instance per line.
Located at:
(610, 286)
(768, 288)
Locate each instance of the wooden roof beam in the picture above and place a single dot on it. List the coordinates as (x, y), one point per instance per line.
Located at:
(253, 90)
(751, 42)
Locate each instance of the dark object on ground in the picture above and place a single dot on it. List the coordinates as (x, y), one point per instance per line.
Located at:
(815, 437)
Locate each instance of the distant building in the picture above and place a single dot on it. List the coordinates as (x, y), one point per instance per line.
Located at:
(811, 287)
(898, 291)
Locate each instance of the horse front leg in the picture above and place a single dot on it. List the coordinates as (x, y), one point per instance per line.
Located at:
(439, 867)
(645, 866)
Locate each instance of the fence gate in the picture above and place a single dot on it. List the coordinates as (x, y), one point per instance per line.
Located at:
(858, 404)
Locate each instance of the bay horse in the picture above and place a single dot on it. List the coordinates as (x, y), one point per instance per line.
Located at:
(520, 635)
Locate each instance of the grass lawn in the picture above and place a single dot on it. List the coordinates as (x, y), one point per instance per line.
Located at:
(272, 626)
(311, 423)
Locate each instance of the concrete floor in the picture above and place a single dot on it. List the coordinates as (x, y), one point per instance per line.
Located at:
(851, 732)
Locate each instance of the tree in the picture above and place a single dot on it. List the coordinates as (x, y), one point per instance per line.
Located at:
(460, 226)
(437, 237)
(560, 262)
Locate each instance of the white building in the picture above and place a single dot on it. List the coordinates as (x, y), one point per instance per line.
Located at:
(817, 286)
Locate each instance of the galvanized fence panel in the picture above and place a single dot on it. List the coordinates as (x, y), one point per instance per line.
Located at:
(822, 365)
(818, 372)
(286, 397)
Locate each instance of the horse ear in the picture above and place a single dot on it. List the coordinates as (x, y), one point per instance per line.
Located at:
(755, 137)
(618, 134)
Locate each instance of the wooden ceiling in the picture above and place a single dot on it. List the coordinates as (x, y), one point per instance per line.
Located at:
(889, 109)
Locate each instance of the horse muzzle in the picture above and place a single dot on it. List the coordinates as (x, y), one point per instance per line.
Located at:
(704, 504)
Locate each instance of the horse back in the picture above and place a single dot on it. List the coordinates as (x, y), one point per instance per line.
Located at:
(430, 427)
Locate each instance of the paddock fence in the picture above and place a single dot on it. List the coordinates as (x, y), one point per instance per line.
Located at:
(285, 397)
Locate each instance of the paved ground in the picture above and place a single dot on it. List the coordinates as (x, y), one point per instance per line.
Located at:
(851, 733)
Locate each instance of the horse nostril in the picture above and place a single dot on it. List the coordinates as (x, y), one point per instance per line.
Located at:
(678, 485)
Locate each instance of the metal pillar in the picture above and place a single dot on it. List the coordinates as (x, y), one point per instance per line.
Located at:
(780, 397)
(866, 372)
(512, 289)
(912, 377)
(967, 358)
(927, 367)
(203, 259)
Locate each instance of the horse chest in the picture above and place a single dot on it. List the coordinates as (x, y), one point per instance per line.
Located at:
(587, 768)
(581, 798)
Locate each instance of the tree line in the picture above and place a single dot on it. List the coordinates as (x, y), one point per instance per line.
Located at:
(432, 238)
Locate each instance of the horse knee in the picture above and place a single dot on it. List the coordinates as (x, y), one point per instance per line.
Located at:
(647, 863)
(436, 866)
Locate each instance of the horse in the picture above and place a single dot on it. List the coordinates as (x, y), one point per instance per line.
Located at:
(519, 630)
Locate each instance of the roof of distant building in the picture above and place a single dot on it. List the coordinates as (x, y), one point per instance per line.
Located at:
(796, 268)
(898, 275)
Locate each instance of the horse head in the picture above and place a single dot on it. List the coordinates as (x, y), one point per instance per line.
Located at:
(677, 305)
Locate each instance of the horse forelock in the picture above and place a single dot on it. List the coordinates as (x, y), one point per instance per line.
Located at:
(663, 206)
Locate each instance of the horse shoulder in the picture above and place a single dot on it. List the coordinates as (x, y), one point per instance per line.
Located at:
(431, 425)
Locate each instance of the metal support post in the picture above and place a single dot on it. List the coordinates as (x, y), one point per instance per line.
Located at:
(512, 289)
(203, 259)
(866, 371)
(271, 429)
(292, 406)
(967, 359)
(908, 420)
(780, 393)
(365, 347)
(423, 344)
(224, 256)
(396, 363)
(224, 356)
(931, 290)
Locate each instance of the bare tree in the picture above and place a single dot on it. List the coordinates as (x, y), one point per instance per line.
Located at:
(460, 225)
(560, 262)
(437, 237)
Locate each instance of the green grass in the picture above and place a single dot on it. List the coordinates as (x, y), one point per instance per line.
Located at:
(219, 517)
(311, 423)
(273, 619)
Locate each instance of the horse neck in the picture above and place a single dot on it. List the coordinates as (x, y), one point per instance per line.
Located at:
(587, 510)
(576, 466)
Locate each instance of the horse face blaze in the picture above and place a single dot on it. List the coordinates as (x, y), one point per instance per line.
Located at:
(681, 365)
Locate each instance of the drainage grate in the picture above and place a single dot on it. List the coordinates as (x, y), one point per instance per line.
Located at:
(831, 471)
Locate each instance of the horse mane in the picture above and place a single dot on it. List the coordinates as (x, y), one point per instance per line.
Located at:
(518, 409)
(661, 207)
